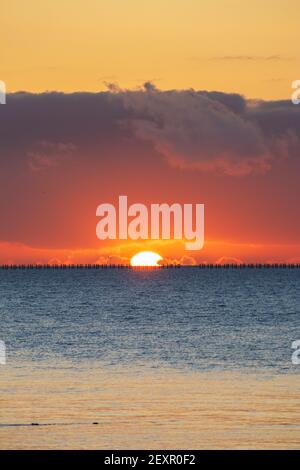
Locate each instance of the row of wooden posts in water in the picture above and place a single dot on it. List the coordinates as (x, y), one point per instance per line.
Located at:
(165, 266)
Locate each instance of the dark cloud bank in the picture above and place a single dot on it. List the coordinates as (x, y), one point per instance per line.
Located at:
(63, 154)
(197, 130)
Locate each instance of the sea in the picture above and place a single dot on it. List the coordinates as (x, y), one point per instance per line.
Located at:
(159, 358)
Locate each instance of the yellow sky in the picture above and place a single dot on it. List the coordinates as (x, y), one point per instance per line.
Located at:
(230, 45)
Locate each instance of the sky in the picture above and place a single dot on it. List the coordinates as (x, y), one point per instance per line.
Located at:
(163, 101)
(250, 48)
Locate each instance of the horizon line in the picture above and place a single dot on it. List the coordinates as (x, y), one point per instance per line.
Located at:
(164, 266)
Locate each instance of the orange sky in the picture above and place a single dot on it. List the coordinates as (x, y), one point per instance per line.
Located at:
(63, 154)
(235, 46)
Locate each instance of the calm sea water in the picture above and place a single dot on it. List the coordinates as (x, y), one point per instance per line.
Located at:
(185, 318)
(178, 359)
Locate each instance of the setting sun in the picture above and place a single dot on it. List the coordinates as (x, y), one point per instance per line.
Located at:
(145, 258)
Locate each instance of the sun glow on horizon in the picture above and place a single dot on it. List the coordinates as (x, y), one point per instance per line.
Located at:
(146, 258)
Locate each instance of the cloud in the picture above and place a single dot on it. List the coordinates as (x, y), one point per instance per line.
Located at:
(197, 130)
(63, 154)
(54, 262)
(228, 260)
(213, 131)
(113, 260)
(187, 261)
(246, 57)
(45, 155)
